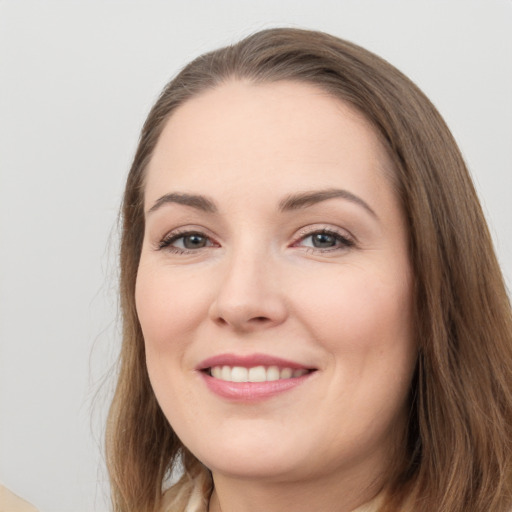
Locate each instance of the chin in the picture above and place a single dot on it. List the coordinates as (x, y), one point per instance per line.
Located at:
(255, 468)
(250, 457)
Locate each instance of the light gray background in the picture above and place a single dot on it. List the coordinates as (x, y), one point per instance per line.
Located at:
(76, 81)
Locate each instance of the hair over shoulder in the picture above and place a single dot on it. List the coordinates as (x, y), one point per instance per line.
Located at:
(458, 451)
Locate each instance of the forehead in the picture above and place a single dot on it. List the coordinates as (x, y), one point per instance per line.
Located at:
(283, 133)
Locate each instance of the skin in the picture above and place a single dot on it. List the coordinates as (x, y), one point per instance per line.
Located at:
(259, 285)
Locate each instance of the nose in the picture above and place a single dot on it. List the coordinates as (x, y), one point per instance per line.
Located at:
(249, 296)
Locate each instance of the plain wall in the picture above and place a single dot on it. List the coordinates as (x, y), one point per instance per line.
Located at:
(76, 81)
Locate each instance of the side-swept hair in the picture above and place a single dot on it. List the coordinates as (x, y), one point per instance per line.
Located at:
(458, 453)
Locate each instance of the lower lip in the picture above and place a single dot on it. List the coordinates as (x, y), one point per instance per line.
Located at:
(252, 391)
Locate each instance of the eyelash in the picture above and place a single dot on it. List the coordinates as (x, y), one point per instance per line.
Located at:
(343, 242)
(169, 239)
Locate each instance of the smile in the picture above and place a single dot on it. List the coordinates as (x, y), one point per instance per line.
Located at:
(255, 373)
(252, 378)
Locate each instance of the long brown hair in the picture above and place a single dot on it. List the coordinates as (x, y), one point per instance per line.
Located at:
(458, 453)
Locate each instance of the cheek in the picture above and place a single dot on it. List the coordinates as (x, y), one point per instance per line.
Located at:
(357, 309)
(364, 321)
(168, 306)
(365, 324)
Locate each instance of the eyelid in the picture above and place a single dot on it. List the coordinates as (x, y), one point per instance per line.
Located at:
(164, 242)
(342, 234)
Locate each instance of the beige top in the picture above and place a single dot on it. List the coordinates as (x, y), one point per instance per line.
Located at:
(372, 506)
(197, 503)
(9, 502)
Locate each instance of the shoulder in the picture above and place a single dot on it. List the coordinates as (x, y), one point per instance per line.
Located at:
(9, 502)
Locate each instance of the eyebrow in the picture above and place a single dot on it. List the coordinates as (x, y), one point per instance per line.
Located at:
(306, 199)
(192, 200)
(289, 203)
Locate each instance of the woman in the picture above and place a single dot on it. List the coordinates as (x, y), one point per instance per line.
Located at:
(314, 317)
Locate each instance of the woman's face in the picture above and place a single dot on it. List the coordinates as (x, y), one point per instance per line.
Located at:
(274, 289)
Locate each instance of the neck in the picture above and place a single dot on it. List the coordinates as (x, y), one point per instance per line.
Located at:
(237, 495)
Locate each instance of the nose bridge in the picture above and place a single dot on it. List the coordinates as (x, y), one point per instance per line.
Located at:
(248, 293)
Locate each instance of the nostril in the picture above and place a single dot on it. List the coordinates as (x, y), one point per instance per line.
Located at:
(246, 314)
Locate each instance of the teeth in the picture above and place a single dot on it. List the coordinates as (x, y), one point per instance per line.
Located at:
(216, 372)
(225, 373)
(255, 373)
(273, 373)
(286, 373)
(238, 373)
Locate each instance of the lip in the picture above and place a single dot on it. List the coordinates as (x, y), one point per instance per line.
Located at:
(251, 391)
(249, 361)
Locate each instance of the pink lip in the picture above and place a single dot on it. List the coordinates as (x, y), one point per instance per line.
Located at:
(250, 391)
(249, 361)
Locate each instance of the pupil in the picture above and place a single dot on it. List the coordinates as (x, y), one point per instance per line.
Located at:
(194, 241)
(323, 240)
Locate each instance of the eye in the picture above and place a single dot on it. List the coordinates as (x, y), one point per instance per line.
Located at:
(325, 240)
(185, 242)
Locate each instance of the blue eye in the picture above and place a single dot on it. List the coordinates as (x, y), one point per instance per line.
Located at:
(193, 241)
(184, 242)
(325, 240)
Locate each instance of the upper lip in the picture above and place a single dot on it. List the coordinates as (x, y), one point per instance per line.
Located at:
(250, 361)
